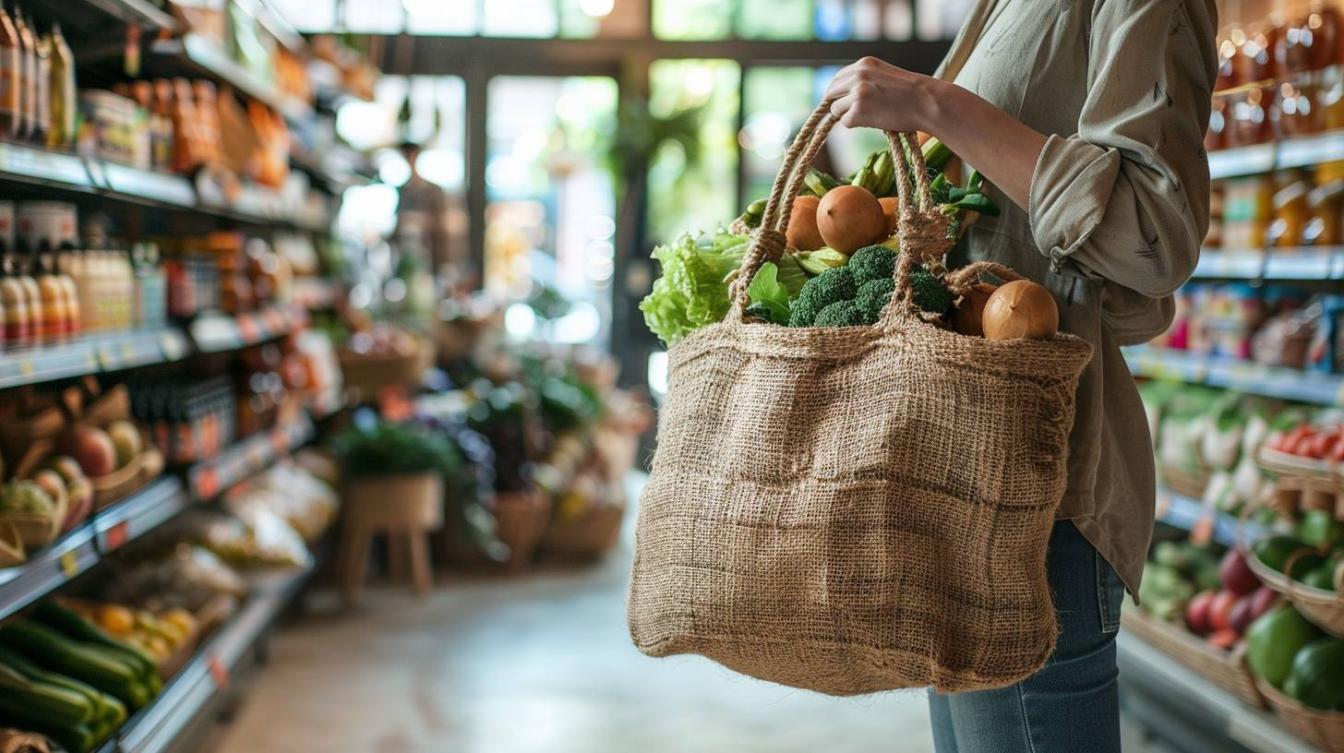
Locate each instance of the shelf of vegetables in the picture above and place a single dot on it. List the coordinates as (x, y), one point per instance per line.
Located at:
(200, 681)
(83, 547)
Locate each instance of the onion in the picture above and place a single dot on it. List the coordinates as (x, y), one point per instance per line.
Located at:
(1020, 309)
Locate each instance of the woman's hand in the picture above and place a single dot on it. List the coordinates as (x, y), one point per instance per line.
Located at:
(874, 94)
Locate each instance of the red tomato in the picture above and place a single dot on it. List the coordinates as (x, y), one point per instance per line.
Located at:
(1322, 445)
(1224, 639)
(1302, 445)
(1220, 610)
(1337, 454)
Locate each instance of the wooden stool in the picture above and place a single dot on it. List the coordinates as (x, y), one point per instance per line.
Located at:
(408, 508)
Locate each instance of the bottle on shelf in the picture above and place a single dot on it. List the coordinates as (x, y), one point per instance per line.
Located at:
(14, 299)
(53, 316)
(28, 79)
(32, 296)
(64, 99)
(42, 88)
(11, 73)
(74, 321)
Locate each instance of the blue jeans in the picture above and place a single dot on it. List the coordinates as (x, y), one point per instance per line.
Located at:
(1071, 705)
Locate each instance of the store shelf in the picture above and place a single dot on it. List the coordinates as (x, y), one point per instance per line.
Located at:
(1310, 263)
(91, 355)
(1229, 373)
(254, 454)
(157, 727)
(1203, 707)
(71, 173)
(1301, 151)
(216, 333)
(1188, 514)
(195, 56)
(135, 12)
(82, 548)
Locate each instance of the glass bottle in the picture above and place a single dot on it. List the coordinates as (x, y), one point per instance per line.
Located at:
(52, 316)
(18, 323)
(11, 71)
(28, 79)
(64, 104)
(42, 90)
(32, 296)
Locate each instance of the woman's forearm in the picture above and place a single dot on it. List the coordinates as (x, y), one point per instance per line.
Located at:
(874, 94)
(1001, 147)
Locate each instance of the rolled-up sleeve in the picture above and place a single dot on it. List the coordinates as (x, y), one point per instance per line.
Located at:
(1126, 198)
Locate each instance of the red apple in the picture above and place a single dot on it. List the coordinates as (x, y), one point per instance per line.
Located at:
(1197, 612)
(1220, 609)
(1241, 615)
(1224, 639)
(93, 450)
(1262, 600)
(1236, 575)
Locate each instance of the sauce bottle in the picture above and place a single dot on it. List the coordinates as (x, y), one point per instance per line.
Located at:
(11, 71)
(64, 105)
(186, 130)
(32, 297)
(53, 317)
(42, 90)
(28, 78)
(61, 262)
(207, 112)
(18, 324)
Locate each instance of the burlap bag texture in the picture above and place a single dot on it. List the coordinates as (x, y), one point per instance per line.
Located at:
(851, 510)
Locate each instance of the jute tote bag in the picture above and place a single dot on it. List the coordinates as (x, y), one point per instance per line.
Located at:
(856, 509)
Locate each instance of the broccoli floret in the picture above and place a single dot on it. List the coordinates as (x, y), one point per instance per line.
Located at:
(930, 294)
(872, 263)
(841, 314)
(826, 288)
(873, 297)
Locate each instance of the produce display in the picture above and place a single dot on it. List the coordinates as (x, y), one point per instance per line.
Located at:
(839, 267)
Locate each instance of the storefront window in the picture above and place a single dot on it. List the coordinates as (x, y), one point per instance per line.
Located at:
(775, 19)
(442, 17)
(692, 19)
(520, 18)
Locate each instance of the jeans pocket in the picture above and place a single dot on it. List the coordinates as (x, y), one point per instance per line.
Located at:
(1110, 594)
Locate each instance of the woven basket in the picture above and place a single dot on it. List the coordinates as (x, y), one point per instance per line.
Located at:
(1186, 483)
(1324, 729)
(857, 509)
(1324, 608)
(126, 480)
(1288, 464)
(592, 534)
(1226, 669)
(521, 519)
(12, 551)
(367, 375)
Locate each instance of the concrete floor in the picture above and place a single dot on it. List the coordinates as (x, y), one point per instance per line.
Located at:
(539, 663)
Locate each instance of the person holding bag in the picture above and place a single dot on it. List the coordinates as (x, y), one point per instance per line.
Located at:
(1089, 117)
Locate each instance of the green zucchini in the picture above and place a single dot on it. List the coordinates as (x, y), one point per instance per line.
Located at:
(80, 661)
(44, 703)
(76, 626)
(106, 708)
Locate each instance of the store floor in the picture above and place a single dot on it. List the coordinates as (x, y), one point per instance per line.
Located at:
(539, 663)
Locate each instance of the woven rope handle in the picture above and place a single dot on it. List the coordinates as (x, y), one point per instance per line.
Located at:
(920, 226)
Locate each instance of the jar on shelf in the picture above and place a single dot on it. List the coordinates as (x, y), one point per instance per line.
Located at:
(1227, 51)
(1214, 237)
(1294, 107)
(1254, 44)
(1249, 117)
(1247, 210)
(1326, 202)
(1291, 213)
(1213, 137)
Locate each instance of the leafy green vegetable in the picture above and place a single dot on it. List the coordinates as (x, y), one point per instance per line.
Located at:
(873, 263)
(816, 262)
(691, 293)
(826, 288)
(791, 274)
(766, 292)
(389, 448)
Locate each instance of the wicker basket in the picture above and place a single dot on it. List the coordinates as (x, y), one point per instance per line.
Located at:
(1324, 729)
(1186, 483)
(36, 530)
(590, 535)
(367, 375)
(127, 479)
(522, 519)
(12, 551)
(1324, 608)
(1226, 669)
(1288, 464)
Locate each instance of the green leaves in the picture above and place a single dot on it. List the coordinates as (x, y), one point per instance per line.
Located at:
(769, 298)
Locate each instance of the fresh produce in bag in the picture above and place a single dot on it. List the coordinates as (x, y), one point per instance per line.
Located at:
(857, 508)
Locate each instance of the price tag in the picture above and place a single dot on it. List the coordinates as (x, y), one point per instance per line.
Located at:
(128, 352)
(27, 367)
(218, 672)
(107, 356)
(247, 328)
(69, 564)
(207, 483)
(1201, 533)
(117, 535)
(171, 346)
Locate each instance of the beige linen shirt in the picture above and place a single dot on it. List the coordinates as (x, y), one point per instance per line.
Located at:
(1118, 207)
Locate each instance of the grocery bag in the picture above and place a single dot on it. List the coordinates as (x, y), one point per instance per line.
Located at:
(856, 509)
